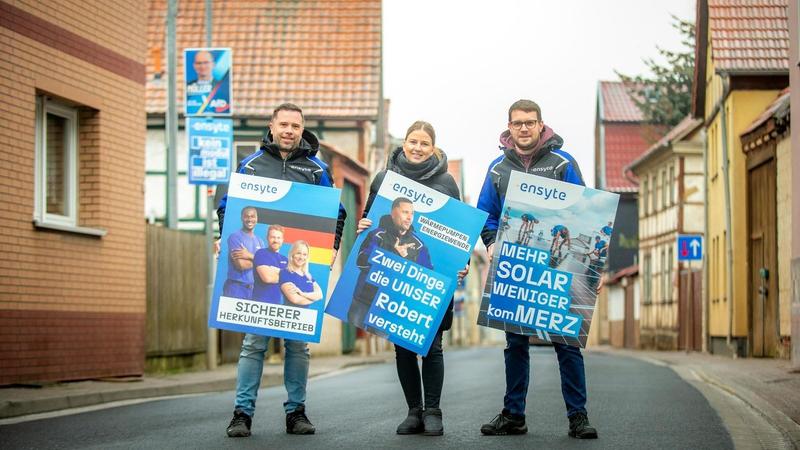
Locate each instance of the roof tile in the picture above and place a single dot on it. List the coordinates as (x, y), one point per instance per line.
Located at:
(749, 35)
(617, 104)
(323, 55)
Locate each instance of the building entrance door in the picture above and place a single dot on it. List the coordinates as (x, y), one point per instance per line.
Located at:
(763, 273)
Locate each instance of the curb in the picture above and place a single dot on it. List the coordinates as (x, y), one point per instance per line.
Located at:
(775, 417)
(13, 408)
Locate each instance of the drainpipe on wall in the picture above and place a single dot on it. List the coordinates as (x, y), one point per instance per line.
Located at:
(727, 188)
(706, 276)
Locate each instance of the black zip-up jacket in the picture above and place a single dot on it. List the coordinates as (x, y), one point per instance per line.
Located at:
(434, 176)
(549, 162)
(301, 166)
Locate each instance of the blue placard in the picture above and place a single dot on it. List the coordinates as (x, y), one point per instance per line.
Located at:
(528, 292)
(275, 257)
(208, 86)
(549, 254)
(399, 279)
(690, 247)
(210, 149)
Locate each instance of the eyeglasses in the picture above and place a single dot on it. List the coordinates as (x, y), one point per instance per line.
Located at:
(517, 124)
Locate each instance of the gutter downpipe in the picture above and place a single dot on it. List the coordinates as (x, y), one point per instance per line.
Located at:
(706, 275)
(719, 108)
(727, 187)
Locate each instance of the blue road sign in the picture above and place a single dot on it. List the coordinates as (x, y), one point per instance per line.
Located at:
(690, 247)
(210, 149)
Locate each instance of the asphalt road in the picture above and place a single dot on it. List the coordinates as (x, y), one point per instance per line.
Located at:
(633, 405)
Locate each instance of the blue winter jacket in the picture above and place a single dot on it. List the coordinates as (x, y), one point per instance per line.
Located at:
(550, 161)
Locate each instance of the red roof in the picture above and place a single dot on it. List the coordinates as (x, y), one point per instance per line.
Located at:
(749, 35)
(616, 105)
(325, 56)
(625, 135)
(624, 142)
(630, 271)
(681, 130)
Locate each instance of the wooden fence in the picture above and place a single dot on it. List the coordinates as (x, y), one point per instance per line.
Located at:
(177, 311)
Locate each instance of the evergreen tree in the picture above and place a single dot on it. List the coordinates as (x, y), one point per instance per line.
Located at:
(665, 97)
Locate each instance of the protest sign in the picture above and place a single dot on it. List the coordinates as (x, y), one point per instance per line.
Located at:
(207, 90)
(275, 256)
(401, 274)
(551, 247)
(210, 142)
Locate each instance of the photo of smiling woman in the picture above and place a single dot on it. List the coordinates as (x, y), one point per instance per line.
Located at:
(297, 285)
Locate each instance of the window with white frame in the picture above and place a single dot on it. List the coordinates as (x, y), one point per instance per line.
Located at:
(653, 193)
(56, 177)
(243, 150)
(648, 279)
(645, 196)
(670, 256)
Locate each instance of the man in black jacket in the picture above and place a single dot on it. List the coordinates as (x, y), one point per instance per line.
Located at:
(288, 153)
(395, 234)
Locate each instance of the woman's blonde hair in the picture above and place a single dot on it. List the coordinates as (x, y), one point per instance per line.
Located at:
(296, 246)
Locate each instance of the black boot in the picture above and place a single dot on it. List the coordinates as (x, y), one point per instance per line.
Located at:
(579, 427)
(432, 419)
(413, 423)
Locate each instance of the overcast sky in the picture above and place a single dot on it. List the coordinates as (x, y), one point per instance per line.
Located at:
(460, 65)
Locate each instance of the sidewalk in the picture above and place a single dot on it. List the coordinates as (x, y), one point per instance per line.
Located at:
(21, 401)
(769, 386)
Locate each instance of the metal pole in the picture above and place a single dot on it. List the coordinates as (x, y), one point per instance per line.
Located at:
(211, 346)
(172, 118)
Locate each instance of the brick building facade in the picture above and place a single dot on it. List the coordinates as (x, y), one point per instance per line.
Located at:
(72, 266)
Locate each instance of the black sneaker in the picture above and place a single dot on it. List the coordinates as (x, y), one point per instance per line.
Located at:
(240, 424)
(505, 423)
(579, 427)
(297, 422)
(413, 423)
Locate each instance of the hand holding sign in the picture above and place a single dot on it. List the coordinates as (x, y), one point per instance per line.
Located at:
(402, 249)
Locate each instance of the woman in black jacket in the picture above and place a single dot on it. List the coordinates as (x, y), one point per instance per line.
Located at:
(420, 160)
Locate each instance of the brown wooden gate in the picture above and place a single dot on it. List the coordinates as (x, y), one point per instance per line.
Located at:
(763, 270)
(631, 326)
(690, 304)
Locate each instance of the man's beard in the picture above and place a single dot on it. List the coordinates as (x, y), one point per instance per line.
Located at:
(528, 147)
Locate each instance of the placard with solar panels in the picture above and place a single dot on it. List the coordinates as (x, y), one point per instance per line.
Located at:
(550, 251)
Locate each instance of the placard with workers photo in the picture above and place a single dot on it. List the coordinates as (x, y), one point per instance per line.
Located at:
(550, 251)
(275, 255)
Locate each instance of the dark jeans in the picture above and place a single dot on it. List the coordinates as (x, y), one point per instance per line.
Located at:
(432, 374)
(518, 366)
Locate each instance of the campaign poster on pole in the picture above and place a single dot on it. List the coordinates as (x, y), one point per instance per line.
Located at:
(210, 142)
(550, 251)
(275, 257)
(401, 274)
(207, 89)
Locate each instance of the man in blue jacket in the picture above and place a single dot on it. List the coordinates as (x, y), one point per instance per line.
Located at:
(288, 153)
(529, 146)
